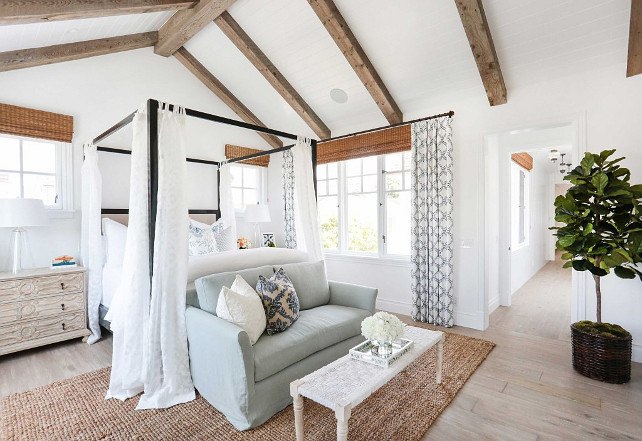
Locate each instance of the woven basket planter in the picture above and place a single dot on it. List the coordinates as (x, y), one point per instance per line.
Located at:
(602, 358)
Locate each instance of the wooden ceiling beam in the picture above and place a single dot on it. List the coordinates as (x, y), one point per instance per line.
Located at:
(481, 43)
(40, 56)
(185, 24)
(37, 11)
(213, 84)
(340, 32)
(244, 43)
(634, 63)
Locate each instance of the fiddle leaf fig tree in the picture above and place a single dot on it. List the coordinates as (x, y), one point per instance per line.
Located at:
(602, 217)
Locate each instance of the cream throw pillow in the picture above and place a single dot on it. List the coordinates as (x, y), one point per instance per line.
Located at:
(241, 305)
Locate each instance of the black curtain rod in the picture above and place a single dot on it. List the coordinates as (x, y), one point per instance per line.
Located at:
(119, 125)
(448, 114)
(129, 152)
(190, 211)
(258, 154)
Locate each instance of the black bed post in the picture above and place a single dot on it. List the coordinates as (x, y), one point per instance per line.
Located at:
(313, 144)
(152, 148)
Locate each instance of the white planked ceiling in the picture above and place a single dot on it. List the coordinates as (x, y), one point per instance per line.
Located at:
(418, 47)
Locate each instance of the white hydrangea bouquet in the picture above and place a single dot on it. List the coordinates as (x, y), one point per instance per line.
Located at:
(382, 327)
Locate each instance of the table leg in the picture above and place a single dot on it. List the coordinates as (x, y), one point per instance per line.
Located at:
(440, 359)
(343, 415)
(297, 404)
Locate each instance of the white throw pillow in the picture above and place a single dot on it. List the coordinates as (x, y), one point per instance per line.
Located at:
(225, 240)
(242, 306)
(201, 241)
(216, 226)
(115, 238)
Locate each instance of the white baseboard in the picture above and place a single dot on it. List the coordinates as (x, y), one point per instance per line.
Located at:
(636, 353)
(493, 304)
(465, 319)
(395, 306)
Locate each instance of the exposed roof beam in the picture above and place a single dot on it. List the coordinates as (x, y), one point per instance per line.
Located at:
(185, 24)
(35, 11)
(41, 56)
(244, 43)
(213, 84)
(634, 65)
(339, 30)
(475, 24)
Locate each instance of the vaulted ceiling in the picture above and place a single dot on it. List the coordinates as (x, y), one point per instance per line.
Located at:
(285, 56)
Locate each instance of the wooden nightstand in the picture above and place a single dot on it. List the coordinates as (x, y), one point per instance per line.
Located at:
(41, 306)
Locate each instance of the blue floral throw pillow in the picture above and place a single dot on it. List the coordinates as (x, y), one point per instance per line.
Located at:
(280, 301)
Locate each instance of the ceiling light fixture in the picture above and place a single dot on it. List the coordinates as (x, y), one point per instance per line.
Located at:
(553, 156)
(339, 96)
(565, 167)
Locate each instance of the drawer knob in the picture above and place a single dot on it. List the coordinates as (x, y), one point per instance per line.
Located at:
(62, 285)
(63, 326)
(62, 306)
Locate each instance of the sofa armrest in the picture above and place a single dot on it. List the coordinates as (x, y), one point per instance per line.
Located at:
(221, 362)
(355, 296)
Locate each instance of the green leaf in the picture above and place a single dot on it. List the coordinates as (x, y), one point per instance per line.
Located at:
(624, 272)
(567, 256)
(587, 162)
(606, 153)
(598, 271)
(568, 264)
(566, 241)
(581, 265)
(600, 181)
(588, 228)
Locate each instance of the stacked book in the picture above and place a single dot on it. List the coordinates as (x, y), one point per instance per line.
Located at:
(63, 262)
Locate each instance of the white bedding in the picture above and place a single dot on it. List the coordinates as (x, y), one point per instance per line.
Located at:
(222, 262)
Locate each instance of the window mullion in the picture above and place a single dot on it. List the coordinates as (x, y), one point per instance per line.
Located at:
(343, 208)
(381, 208)
(22, 181)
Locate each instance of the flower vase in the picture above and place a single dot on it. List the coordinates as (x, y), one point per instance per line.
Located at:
(383, 348)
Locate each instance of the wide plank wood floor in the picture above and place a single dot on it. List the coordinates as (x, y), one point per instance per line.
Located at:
(525, 390)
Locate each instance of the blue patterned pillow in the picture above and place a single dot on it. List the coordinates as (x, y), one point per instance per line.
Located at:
(280, 301)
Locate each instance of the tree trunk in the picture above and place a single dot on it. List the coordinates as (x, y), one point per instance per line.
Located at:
(598, 292)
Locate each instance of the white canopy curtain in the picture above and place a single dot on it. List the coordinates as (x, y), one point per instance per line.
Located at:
(300, 203)
(91, 248)
(150, 340)
(432, 221)
(227, 204)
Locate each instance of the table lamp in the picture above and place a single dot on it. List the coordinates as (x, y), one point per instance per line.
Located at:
(18, 214)
(256, 214)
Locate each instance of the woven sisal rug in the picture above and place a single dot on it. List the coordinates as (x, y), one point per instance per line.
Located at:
(404, 409)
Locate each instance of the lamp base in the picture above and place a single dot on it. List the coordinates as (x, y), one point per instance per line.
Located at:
(258, 240)
(16, 240)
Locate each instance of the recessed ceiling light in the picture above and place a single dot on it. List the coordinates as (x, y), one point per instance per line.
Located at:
(339, 96)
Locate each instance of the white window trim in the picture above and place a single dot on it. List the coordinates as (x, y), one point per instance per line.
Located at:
(342, 253)
(261, 187)
(64, 208)
(527, 221)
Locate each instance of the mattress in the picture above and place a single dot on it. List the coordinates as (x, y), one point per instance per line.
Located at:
(199, 266)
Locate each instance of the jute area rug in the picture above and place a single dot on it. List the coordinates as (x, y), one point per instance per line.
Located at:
(404, 409)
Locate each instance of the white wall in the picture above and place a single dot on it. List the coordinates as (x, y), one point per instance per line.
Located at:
(527, 260)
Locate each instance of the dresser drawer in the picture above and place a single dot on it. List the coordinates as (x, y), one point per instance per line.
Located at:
(41, 307)
(45, 327)
(22, 289)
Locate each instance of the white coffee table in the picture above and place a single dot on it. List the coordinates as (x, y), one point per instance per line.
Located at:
(344, 383)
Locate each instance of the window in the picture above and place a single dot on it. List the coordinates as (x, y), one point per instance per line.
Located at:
(364, 205)
(520, 199)
(247, 185)
(32, 168)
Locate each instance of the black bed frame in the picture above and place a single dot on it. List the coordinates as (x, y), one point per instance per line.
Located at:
(152, 146)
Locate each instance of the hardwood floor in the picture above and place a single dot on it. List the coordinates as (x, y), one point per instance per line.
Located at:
(525, 390)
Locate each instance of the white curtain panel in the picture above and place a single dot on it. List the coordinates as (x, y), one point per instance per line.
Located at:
(289, 221)
(166, 372)
(432, 222)
(91, 248)
(305, 205)
(227, 204)
(129, 310)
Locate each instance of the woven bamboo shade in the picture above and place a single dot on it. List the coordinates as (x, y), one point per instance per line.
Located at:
(235, 151)
(523, 159)
(21, 121)
(395, 139)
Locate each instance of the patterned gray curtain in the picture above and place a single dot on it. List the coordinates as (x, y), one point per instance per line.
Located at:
(288, 199)
(432, 222)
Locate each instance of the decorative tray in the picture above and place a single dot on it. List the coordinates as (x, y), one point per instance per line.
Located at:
(366, 351)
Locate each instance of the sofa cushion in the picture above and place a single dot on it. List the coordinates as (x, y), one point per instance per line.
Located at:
(209, 287)
(279, 300)
(316, 329)
(310, 281)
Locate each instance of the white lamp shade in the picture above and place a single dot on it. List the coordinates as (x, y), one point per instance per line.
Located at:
(15, 213)
(256, 213)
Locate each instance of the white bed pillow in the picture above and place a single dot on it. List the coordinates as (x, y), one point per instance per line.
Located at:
(217, 226)
(201, 241)
(115, 238)
(241, 305)
(225, 240)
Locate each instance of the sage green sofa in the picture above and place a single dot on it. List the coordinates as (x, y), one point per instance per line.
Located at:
(249, 384)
